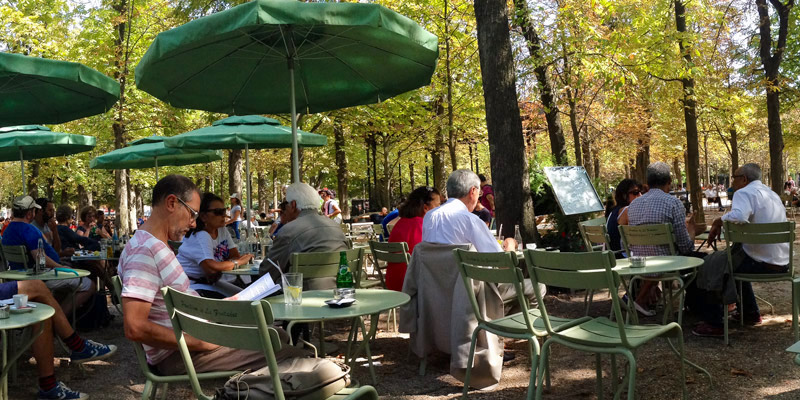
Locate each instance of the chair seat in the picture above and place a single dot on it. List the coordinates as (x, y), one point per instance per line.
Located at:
(604, 333)
(763, 277)
(515, 323)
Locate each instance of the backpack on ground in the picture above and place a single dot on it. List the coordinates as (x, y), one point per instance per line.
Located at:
(301, 379)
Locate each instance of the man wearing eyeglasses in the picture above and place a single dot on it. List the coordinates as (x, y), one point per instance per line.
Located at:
(147, 264)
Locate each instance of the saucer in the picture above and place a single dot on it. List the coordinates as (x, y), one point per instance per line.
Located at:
(15, 310)
(342, 303)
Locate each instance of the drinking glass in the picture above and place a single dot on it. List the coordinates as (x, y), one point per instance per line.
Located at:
(293, 288)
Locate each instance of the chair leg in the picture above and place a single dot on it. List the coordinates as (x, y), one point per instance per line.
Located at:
(725, 323)
(599, 372)
(631, 376)
(795, 307)
(614, 379)
(741, 304)
(164, 390)
(423, 363)
(685, 391)
(470, 360)
(543, 367)
(533, 344)
(149, 390)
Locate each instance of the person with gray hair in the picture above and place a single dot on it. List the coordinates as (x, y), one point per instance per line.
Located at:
(657, 206)
(308, 231)
(454, 223)
(755, 203)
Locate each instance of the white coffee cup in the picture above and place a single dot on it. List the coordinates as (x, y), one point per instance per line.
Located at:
(20, 300)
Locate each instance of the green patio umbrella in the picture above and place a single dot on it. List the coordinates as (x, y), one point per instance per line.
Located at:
(244, 132)
(150, 152)
(33, 142)
(42, 91)
(273, 56)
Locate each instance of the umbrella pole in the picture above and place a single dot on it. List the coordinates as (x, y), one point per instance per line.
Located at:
(292, 106)
(249, 190)
(22, 168)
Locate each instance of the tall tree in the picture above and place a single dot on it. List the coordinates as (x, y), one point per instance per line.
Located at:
(122, 52)
(771, 60)
(689, 103)
(546, 91)
(507, 148)
(342, 171)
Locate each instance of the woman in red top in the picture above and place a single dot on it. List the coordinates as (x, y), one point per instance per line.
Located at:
(409, 229)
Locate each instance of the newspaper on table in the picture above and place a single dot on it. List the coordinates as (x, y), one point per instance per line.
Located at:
(262, 287)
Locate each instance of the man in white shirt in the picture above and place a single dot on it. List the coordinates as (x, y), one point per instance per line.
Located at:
(754, 203)
(454, 223)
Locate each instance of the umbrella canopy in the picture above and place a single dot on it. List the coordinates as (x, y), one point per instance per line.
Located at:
(272, 56)
(33, 142)
(245, 132)
(238, 132)
(150, 152)
(43, 91)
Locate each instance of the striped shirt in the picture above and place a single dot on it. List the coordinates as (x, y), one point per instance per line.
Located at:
(657, 207)
(145, 266)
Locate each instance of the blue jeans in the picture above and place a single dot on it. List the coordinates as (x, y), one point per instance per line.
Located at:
(713, 311)
(235, 226)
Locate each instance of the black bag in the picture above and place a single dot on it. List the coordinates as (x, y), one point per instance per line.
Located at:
(94, 314)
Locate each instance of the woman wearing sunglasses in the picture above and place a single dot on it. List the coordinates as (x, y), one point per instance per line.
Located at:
(208, 249)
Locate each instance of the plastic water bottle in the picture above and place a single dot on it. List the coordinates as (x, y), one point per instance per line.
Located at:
(518, 237)
(40, 260)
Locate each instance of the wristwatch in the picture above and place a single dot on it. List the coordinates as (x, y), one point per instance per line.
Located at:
(235, 264)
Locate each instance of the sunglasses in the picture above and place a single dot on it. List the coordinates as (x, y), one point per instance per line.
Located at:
(216, 211)
(636, 192)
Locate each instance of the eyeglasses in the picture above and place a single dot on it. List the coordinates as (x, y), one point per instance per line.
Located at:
(216, 211)
(191, 210)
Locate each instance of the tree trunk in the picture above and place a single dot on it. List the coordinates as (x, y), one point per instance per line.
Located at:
(573, 123)
(676, 169)
(50, 191)
(587, 153)
(83, 199)
(33, 188)
(509, 163)
(596, 166)
(121, 53)
(263, 191)
(734, 151)
(386, 180)
(771, 60)
(437, 155)
(451, 134)
(639, 168)
(547, 93)
(235, 174)
(64, 196)
(689, 115)
(342, 171)
(411, 179)
(705, 159)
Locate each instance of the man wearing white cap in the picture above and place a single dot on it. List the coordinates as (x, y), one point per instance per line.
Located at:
(20, 232)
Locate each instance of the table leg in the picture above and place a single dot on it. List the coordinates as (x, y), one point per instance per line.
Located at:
(4, 378)
(373, 328)
(9, 362)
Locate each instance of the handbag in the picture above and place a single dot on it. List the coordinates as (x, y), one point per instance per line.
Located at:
(301, 379)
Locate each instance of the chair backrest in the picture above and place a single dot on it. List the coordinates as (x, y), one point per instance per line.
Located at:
(377, 232)
(594, 232)
(16, 254)
(236, 324)
(492, 268)
(345, 229)
(771, 233)
(575, 271)
(3, 261)
(326, 264)
(389, 228)
(385, 252)
(648, 235)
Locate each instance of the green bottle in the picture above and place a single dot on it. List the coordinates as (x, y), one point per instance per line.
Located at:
(344, 279)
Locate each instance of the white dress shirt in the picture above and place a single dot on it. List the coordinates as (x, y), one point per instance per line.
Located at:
(452, 223)
(757, 203)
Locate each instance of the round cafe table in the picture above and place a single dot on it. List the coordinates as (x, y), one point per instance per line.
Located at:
(368, 302)
(40, 313)
(50, 275)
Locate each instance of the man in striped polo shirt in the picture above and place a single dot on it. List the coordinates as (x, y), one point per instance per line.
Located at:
(147, 264)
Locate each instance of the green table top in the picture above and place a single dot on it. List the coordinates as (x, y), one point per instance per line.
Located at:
(368, 302)
(39, 314)
(658, 265)
(241, 271)
(47, 276)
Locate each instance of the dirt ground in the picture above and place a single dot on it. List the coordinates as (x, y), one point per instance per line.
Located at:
(754, 366)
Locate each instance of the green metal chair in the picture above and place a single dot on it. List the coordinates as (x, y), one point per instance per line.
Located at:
(498, 268)
(236, 324)
(654, 235)
(382, 254)
(315, 265)
(152, 379)
(594, 234)
(779, 232)
(598, 335)
(377, 233)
